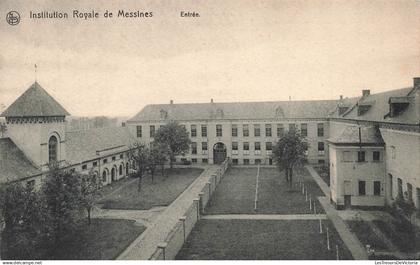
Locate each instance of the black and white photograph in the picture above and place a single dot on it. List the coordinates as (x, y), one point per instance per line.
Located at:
(209, 130)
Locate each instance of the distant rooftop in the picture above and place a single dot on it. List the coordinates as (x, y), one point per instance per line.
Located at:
(35, 102)
(237, 110)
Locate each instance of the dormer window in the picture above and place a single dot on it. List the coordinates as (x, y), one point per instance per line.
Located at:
(397, 105)
(219, 113)
(163, 114)
(279, 112)
(363, 107)
(342, 110)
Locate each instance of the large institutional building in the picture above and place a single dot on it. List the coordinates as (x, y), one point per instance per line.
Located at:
(371, 143)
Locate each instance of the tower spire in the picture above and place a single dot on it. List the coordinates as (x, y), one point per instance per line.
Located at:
(35, 70)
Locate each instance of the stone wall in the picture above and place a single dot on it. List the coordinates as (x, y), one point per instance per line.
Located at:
(168, 249)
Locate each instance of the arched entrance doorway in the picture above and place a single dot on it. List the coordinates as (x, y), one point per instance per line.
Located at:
(105, 176)
(219, 153)
(113, 177)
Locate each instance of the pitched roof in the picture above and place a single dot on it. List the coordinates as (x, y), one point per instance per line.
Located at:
(350, 135)
(14, 165)
(238, 110)
(84, 145)
(35, 102)
(378, 108)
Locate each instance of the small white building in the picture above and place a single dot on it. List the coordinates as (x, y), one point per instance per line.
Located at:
(375, 149)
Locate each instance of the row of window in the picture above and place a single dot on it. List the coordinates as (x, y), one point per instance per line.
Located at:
(409, 192)
(376, 188)
(245, 147)
(104, 161)
(245, 130)
(348, 156)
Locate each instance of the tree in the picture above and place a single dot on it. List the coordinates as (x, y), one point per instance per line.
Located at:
(25, 233)
(175, 138)
(139, 155)
(90, 186)
(157, 157)
(62, 192)
(289, 152)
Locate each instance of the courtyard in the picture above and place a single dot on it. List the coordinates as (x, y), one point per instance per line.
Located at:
(104, 239)
(163, 191)
(282, 228)
(262, 239)
(236, 193)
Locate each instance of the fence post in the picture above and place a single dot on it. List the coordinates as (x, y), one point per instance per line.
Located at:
(215, 180)
(336, 250)
(163, 246)
(320, 226)
(182, 219)
(209, 184)
(201, 195)
(310, 202)
(197, 203)
(328, 239)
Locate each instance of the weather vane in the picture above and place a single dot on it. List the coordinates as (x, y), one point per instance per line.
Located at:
(35, 73)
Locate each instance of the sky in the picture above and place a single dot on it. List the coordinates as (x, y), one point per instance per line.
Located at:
(238, 50)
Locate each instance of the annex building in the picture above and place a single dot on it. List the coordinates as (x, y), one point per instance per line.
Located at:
(36, 136)
(371, 143)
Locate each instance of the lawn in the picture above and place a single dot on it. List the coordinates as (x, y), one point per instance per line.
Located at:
(404, 239)
(366, 235)
(162, 192)
(261, 240)
(236, 193)
(104, 239)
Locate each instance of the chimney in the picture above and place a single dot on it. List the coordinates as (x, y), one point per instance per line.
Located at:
(365, 92)
(211, 100)
(341, 97)
(171, 101)
(416, 82)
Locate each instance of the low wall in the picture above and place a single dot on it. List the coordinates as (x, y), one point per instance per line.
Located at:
(173, 243)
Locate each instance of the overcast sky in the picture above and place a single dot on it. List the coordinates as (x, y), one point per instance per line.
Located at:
(236, 51)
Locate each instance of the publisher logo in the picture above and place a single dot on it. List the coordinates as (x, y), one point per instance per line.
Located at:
(13, 18)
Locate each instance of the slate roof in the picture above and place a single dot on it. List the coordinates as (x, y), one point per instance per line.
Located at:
(83, 145)
(379, 107)
(35, 102)
(238, 110)
(350, 135)
(14, 165)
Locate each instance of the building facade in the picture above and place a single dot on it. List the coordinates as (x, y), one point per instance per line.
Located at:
(244, 132)
(375, 149)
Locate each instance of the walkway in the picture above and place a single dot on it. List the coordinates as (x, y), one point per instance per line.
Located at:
(265, 217)
(321, 183)
(352, 242)
(145, 245)
(142, 217)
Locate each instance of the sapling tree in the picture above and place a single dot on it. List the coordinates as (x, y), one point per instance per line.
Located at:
(174, 138)
(290, 152)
